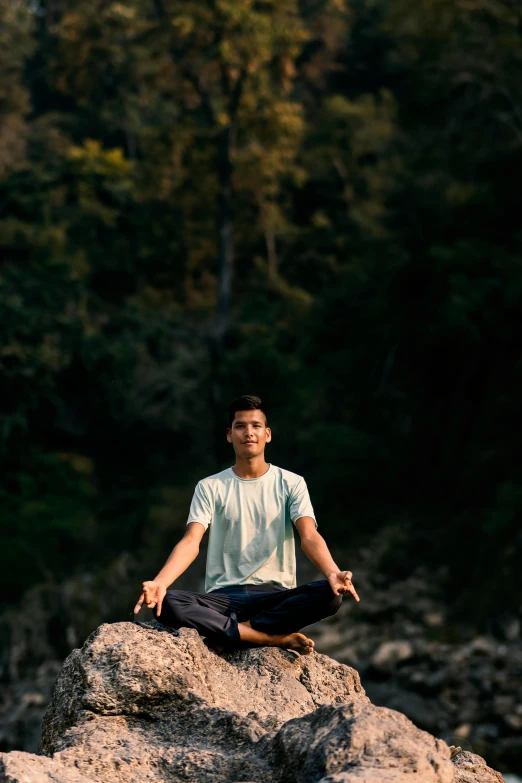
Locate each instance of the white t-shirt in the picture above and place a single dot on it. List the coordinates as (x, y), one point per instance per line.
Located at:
(251, 538)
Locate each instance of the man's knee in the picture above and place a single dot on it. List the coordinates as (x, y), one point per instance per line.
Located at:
(331, 602)
(335, 603)
(174, 611)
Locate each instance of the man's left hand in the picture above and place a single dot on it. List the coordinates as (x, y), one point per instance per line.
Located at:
(341, 582)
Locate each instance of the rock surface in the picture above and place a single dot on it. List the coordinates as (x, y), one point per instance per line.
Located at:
(19, 767)
(469, 768)
(138, 704)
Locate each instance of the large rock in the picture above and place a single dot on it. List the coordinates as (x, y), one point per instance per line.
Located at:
(139, 705)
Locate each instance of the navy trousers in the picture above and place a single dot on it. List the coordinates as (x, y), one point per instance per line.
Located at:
(270, 608)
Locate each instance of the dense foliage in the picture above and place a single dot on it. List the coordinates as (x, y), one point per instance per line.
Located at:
(314, 201)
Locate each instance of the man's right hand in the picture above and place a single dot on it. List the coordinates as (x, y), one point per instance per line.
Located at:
(152, 595)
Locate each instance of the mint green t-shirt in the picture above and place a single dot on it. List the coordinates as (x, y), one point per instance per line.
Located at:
(251, 538)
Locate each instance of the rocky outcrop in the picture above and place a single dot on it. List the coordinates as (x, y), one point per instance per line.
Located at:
(138, 704)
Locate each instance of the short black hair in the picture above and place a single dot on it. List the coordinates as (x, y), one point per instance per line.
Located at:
(246, 402)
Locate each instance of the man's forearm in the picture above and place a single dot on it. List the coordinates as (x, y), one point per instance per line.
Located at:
(317, 552)
(183, 554)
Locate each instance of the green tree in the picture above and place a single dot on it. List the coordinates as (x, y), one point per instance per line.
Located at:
(16, 45)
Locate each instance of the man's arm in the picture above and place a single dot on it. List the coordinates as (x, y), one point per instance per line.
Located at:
(183, 554)
(315, 548)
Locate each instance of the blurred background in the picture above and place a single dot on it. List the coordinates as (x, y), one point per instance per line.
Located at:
(314, 201)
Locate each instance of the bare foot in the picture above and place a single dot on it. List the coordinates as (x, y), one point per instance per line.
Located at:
(297, 642)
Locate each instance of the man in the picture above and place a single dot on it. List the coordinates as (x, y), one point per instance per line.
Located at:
(250, 595)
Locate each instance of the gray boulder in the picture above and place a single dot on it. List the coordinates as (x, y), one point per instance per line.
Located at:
(139, 705)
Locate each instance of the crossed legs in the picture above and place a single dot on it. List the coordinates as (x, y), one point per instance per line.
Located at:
(249, 615)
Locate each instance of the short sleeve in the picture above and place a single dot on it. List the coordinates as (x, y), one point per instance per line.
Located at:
(299, 502)
(200, 507)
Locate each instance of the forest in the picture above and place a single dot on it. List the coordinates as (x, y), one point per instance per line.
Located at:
(315, 201)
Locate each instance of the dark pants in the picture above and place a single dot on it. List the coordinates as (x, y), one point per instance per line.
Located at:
(270, 608)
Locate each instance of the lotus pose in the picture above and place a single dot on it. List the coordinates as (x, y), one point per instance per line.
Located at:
(250, 597)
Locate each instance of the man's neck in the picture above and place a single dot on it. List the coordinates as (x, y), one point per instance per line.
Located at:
(250, 468)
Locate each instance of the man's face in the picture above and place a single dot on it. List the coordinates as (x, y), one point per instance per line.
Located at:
(249, 433)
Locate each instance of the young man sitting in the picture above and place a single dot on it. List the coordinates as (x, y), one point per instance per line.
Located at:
(250, 594)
